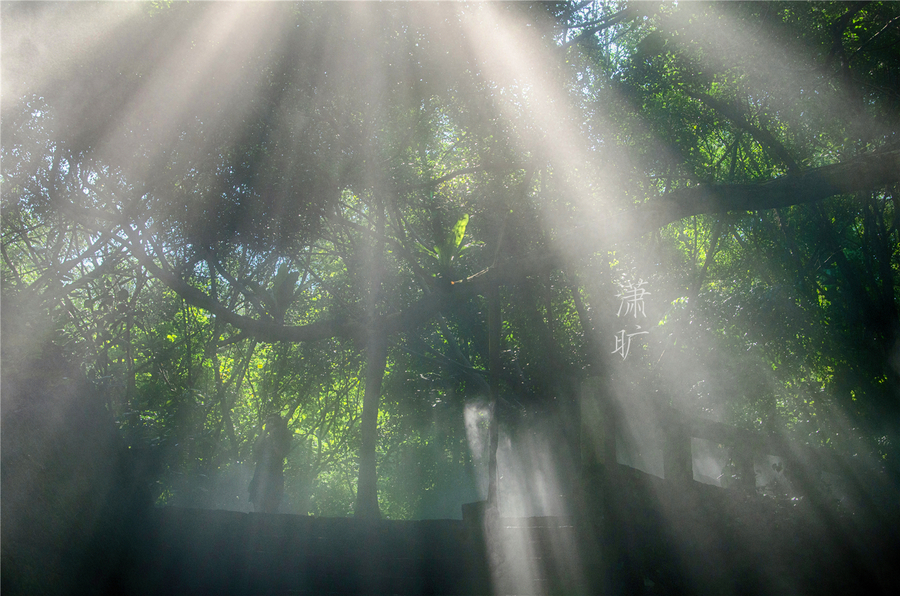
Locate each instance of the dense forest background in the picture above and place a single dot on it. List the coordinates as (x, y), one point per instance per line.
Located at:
(216, 213)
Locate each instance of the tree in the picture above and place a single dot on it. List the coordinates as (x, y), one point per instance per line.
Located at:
(289, 203)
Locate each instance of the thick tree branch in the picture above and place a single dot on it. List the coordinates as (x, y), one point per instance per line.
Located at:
(598, 25)
(866, 173)
(441, 179)
(837, 32)
(267, 331)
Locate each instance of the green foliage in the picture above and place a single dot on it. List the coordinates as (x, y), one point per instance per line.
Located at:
(449, 248)
(327, 179)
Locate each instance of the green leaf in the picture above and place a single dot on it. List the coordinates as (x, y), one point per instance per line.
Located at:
(459, 230)
(427, 250)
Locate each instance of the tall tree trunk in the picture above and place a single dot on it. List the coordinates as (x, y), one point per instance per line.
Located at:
(376, 361)
(367, 489)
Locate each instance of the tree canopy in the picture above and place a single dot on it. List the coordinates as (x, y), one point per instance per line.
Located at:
(221, 213)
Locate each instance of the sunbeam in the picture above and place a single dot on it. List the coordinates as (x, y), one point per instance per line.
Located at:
(549, 298)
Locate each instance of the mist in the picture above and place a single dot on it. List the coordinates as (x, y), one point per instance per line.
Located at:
(588, 297)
